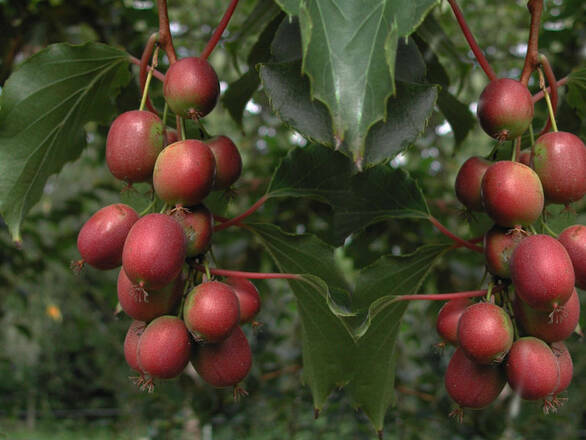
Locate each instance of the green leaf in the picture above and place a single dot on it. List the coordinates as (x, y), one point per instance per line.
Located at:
(349, 50)
(457, 114)
(291, 7)
(577, 91)
(327, 344)
(45, 105)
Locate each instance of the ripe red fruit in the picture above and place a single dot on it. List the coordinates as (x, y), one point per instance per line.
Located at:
(131, 344)
(248, 297)
(468, 182)
(448, 318)
(171, 136)
(573, 238)
(164, 347)
(542, 272)
(485, 333)
(191, 87)
(532, 368)
(134, 141)
(184, 173)
(198, 226)
(525, 157)
(226, 363)
(101, 238)
(512, 194)
(559, 159)
(470, 384)
(545, 327)
(505, 109)
(146, 306)
(211, 311)
(154, 251)
(499, 244)
(228, 161)
(565, 364)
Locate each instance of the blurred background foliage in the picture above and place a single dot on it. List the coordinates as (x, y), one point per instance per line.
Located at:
(61, 360)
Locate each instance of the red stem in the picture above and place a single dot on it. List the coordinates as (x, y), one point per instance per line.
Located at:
(144, 66)
(531, 58)
(454, 237)
(553, 90)
(219, 30)
(442, 296)
(242, 216)
(472, 42)
(539, 95)
(159, 75)
(165, 38)
(249, 275)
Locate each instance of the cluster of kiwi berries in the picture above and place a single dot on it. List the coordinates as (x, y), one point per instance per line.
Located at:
(515, 335)
(176, 319)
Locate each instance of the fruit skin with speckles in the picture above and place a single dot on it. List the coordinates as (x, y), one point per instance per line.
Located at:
(101, 239)
(542, 272)
(154, 251)
(248, 297)
(499, 244)
(198, 226)
(505, 109)
(134, 141)
(184, 173)
(228, 161)
(468, 181)
(565, 364)
(532, 368)
(164, 347)
(485, 333)
(191, 87)
(131, 339)
(559, 159)
(224, 364)
(472, 385)
(211, 311)
(512, 194)
(448, 318)
(573, 238)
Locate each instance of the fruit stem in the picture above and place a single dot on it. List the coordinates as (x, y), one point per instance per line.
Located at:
(144, 61)
(165, 113)
(531, 58)
(442, 296)
(454, 237)
(249, 275)
(531, 136)
(148, 208)
(183, 131)
(159, 75)
(550, 76)
(559, 83)
(242, 216)
(219, 30)
(550, 109)
(145, 91)
(471, 41)
(548, 229)
(165, 37)
(516, 150)
(207, 270)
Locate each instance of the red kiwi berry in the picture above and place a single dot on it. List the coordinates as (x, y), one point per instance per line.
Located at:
(542, 272)
(505, 109)
(226, 363)
(134, 141)
(532, 368)
(544, 326)
(164, 347)
(171, 136)
(248, 297)
(559, 159)
(566, 366)
(131, 344)
(198, 226)
(512, 194)
(485, 333)
(154, 251)
(573, 238)
(184, 173)
(525, 157)
(101, 239)
(472, 385)
(499, 244)
(448, 318)
(468, 182)
(191, 87)
(211, 311)
(145, 305)
(228, 161)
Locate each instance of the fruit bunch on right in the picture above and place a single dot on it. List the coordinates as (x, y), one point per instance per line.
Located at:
(515, 334)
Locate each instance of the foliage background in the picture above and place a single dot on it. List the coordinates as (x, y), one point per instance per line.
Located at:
(61, 360)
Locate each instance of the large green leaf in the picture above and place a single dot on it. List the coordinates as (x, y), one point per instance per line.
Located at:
(577, 91)
(45, 105)
(349, 51)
